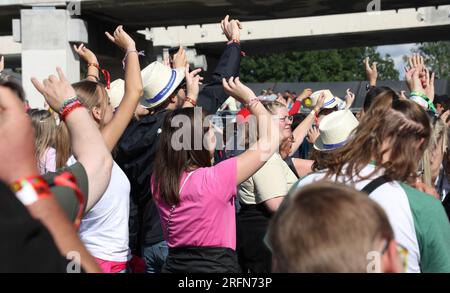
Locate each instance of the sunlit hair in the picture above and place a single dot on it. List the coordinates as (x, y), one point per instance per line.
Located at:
(401, 127)
(170, 163)
(93, 95)
(63, 145)
(438, 139)
(272, 106)
(45, 129)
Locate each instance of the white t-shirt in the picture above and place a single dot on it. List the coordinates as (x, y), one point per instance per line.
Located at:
(418, 220)
(104, 228)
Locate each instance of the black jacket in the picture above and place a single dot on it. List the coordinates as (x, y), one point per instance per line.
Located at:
(136, 151)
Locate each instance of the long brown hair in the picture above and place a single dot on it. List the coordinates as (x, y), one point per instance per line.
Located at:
(170, 163)
(401, 123)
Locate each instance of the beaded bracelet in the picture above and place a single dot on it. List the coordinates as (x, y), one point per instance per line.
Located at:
(140, 53)
(252, 101)
(67, 102)
(105, 73)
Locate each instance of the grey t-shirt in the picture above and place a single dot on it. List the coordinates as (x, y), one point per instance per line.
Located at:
(65, 196)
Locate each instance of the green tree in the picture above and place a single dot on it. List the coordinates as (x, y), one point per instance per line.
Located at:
(315, 66)
(437, 57)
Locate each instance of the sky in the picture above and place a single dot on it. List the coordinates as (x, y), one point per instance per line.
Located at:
(397, 52)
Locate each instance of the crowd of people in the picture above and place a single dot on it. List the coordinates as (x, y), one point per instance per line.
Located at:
(133, 176)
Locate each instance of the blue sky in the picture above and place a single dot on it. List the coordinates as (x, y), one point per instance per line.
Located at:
(397, 52)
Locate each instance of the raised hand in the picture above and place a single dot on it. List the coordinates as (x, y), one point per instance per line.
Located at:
(234, 87)
(281, 100)
(87, 55)
(17, 144)
(193, 81)
(313, 134)
(417, 62)
(122, 39)
(305, 94)
(371, 72)
(429, 85)
(55, 89)
(180, 59)
(320, 102)
(349, 98)
(444, 117)
(231, 28)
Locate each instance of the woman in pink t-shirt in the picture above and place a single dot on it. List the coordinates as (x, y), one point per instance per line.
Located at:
(195, 199)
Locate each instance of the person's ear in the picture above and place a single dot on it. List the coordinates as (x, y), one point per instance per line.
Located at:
(391, 261)
(97, 114)
(420, 143)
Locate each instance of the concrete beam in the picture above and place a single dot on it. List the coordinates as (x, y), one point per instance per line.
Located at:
(304, 27)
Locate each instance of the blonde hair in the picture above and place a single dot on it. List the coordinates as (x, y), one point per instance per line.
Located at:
(93, 95)
(402, 123)
(44, 125)
(438, 133)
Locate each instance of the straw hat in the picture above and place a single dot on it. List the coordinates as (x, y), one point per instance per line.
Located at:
(330, 100)
(159, 82)
(335, 130)
(116, 92)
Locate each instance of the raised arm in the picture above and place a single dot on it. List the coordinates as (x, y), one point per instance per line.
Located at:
(371, 72)
(19, 169)
(213, 95)
(133, 89)
(88, 145)
(349, 99)
(269, 137)
(93, 68)
(301, 130)
(193, 81)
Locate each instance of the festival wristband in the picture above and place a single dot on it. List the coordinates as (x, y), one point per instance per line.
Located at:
(31, 189)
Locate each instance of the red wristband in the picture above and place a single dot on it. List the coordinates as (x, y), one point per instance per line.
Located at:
(69, 108)
(194, 103)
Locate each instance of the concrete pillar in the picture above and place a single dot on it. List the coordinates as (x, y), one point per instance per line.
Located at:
(46, 34)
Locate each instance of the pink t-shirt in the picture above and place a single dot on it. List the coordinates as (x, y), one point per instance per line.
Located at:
(205, 215)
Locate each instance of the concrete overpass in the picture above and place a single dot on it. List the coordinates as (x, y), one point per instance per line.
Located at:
(269, 25)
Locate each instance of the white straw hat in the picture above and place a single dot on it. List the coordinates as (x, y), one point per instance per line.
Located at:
(330, 100)
(159, 82)
(335, 130)
(116, 92)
